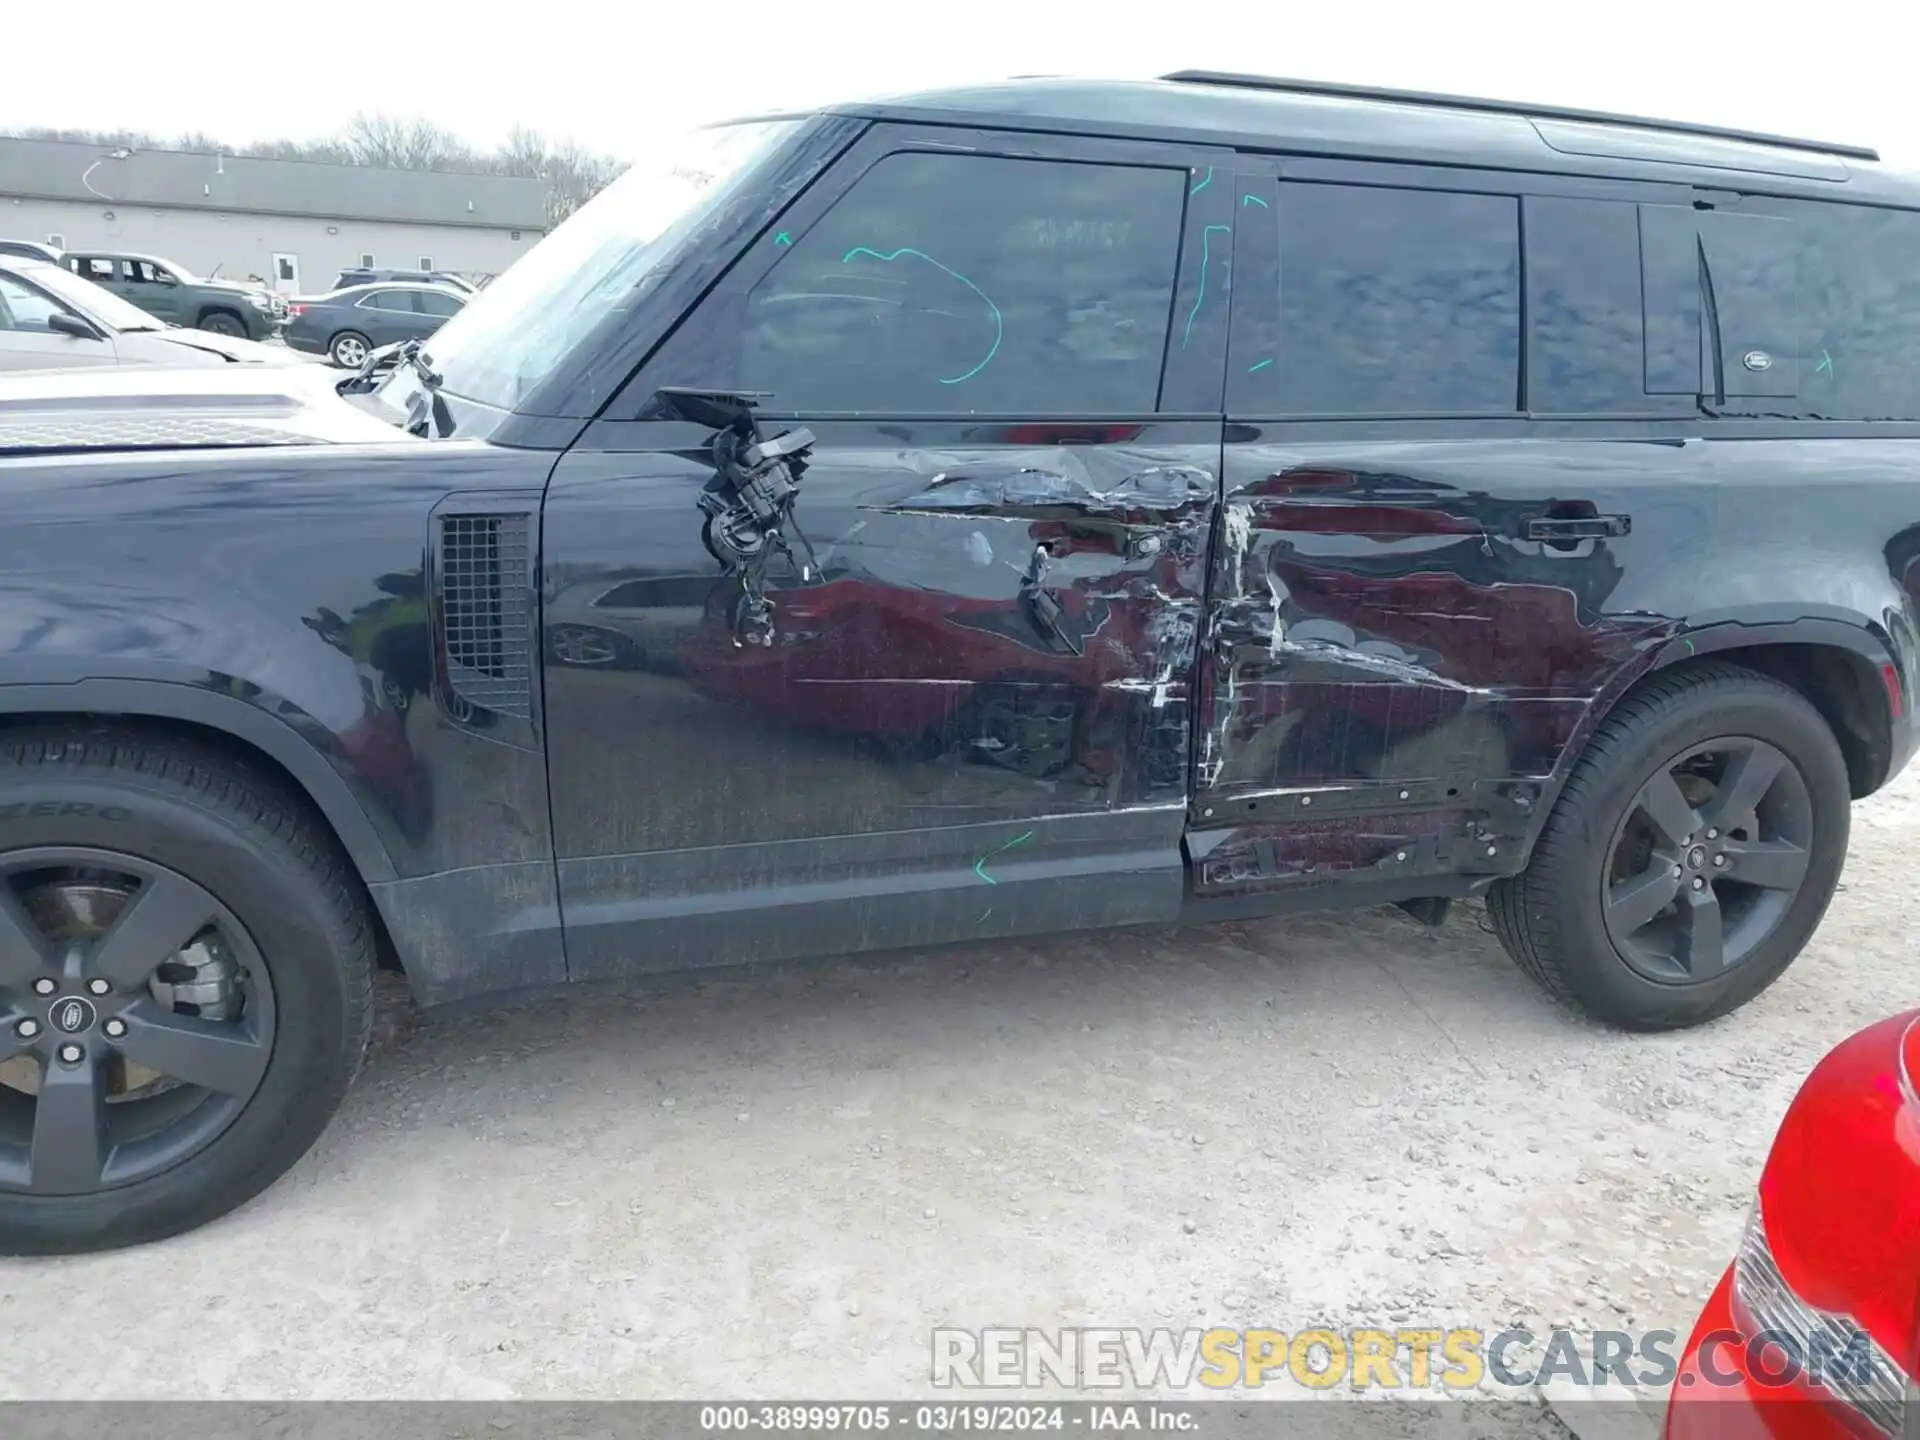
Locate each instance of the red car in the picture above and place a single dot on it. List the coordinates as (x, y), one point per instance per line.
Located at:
(1814, 1331)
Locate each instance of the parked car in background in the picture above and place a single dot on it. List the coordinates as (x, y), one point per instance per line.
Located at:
(1828, 1274)
(169, 291)
(364, 275)
(51, 319)
(345, 325)
(30, 250)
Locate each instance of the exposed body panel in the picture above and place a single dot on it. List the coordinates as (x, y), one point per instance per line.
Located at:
(1401, 678)
(921, 754)
(1390, 642)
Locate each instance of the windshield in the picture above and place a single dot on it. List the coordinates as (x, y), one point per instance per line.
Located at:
(93, 301)
(517, 329)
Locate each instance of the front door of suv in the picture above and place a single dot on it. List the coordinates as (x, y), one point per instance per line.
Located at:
(971, 716)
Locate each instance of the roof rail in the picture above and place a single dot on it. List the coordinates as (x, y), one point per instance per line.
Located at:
(1510, 107)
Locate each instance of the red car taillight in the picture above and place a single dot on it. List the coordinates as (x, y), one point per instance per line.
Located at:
(1835, 1244)
(293, 310)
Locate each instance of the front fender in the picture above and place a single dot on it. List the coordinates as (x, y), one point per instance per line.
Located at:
(315, 757)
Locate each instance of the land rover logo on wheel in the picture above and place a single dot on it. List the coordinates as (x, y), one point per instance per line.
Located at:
(72, 1015)
(1757, 360)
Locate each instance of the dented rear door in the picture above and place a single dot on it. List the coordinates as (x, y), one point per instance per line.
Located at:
(972, 713)
(1453, 515)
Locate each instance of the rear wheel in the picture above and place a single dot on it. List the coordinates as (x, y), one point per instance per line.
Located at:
(349, 348)
(185, 987)
(1690, 857)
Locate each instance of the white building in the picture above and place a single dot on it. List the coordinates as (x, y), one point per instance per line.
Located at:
(295, 224)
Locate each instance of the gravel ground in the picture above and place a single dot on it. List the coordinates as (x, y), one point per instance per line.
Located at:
(775, 1187)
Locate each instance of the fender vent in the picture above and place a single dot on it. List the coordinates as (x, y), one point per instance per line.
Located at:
(486, 592)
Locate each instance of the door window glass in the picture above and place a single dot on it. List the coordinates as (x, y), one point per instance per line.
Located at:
(1392, 302)
(22, 307)
(955, 284)
(1585, 326)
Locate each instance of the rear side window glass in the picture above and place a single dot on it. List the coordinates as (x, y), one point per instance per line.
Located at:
(1860, 312)
(957, 284)
(1585, 335)
(1392, 302)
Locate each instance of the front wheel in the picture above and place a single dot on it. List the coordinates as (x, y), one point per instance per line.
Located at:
(1691, 856)
(222, 322)
(185, 986)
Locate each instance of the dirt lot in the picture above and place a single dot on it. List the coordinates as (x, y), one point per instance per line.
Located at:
(777, 1187)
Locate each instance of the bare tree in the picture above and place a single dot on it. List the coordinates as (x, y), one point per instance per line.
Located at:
(399, 144)
(571, 173)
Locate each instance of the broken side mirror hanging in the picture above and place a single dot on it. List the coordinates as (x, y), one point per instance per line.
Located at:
(749, 502)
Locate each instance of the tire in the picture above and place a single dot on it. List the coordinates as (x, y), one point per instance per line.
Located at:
(221, 322)
(1555, 918)
(349, 343)
(223, 829)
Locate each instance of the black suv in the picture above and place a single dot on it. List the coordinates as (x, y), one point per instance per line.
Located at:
(999, 511)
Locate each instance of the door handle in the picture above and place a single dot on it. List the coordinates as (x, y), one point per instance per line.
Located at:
(1584, 527)
(1042, 609)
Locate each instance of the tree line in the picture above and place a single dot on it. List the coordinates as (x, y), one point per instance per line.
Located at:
(571, 173)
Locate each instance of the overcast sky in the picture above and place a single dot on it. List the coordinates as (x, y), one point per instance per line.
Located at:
(1834, 70)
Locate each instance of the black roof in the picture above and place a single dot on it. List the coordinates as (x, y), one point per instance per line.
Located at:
(1256, 113)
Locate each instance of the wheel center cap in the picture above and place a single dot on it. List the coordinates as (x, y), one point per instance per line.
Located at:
(72, 1015)
(1697, 856)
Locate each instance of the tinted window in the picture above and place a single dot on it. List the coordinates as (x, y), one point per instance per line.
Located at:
(1751, 262)
(1391, 302)
(1859, 291)
(435, 304)
(1583, 307)
(22, 307)
(96, 267)
(397, 300)
(943, 284)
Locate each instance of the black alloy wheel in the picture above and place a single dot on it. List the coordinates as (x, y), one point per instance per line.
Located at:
(186, 983)
(1708, 860)
(136, 1020)
(1690, 854)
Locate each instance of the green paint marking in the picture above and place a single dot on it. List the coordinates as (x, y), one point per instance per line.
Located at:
(1206, 257)
(1246, 200)
(1825, 367)
(1258, 366)
(783, 238)
(980, 865)
(1689, 647)
(999, 324)
(1204, 183)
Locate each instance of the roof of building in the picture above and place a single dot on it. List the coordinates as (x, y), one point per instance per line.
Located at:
(1318, 119)
(181, 179)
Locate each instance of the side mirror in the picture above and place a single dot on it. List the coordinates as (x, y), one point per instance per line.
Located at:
(63, 322)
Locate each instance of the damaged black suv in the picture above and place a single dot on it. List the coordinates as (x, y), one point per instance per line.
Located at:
(999, 511)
